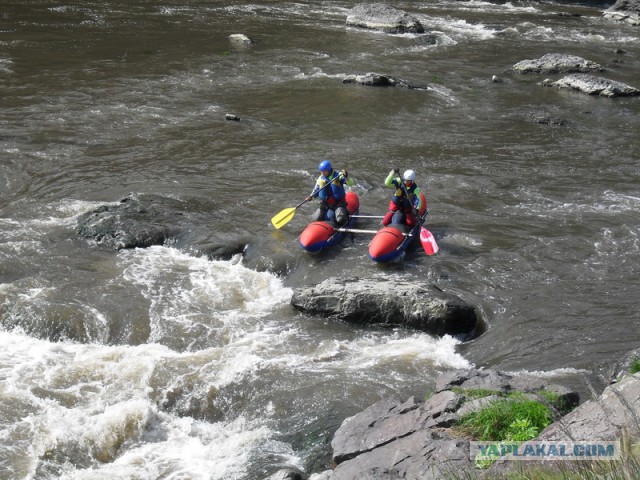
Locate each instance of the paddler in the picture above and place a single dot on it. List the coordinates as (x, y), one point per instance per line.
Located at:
(332, 205)
(406, 201)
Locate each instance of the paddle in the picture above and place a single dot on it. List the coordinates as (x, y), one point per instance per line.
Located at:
(427, 239)
(285, 216)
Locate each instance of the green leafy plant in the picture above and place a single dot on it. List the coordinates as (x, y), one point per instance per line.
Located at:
(521, 430)
(516, 415)
(635, 365)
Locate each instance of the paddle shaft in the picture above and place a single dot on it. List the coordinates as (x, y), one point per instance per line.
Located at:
(357, 230)
(428, 248)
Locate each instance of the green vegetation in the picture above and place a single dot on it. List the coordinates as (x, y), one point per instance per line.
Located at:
(516, 417)
(470, 393)
(635, 365)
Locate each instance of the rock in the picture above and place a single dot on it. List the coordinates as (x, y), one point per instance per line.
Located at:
(390, 303)
(287, 474)
(622, 368)
(474, 379)
(627, 11)
(411, 440)
(376, 426)
(240, 39)
(593, 85)
(231, 117)
(602, 419)
(416, 456)
(378, 80)
(542, 119)
(137, 221)
(223, 251)
(326, 475)
(556, 63)
(378, 16)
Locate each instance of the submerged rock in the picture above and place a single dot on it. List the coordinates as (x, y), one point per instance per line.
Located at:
(378, 80)
(390, 303)
(593, 85)
(627, 11)
(378, 16)
(137, 221)
(557, 63)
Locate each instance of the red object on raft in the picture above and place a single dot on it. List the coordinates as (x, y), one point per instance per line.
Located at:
(319, 235)
(391, 241)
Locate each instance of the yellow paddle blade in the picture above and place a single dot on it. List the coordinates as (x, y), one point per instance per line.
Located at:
(284, 217)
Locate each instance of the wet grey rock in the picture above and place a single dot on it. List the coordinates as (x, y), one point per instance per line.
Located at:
(622, 368)
(137, 221)
(378, 16)
(627, 11)
(390, 440)
(593, 85)
(231, 117)
(474, 379)
(378, 80)
(604, 418)
(287, 474)
(390, 303)
(557, 63)
(541, 119)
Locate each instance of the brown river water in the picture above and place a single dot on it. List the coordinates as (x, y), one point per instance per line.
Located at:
(161, 363)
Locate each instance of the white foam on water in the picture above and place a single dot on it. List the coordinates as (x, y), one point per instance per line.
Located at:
(225, 287)
(462, 240)
(94, 405)
(415, 348)
(381, 350)
(461, 29)
(556, 373)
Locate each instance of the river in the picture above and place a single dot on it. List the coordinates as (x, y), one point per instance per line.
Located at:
(161, 363)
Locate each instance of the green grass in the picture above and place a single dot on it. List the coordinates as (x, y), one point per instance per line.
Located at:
(635, 365)
(471, 393)
(515, 417)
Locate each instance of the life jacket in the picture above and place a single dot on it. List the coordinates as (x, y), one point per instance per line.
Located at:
(399, 197)
(334, 193)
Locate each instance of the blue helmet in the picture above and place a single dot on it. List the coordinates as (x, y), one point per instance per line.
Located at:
(325, 165)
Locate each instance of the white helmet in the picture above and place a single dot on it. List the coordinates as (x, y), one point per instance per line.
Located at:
(409, 175)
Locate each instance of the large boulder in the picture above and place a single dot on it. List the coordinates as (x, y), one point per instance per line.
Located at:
(136, 221)
(390, 303)
(378, 16)
(557, 63)
(627, 11)
(593, 85)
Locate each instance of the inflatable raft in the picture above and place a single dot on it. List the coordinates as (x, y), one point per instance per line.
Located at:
(320, 235)
(391, 241)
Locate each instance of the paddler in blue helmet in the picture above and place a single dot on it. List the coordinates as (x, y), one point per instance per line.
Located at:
(332, 205)
(406, 200)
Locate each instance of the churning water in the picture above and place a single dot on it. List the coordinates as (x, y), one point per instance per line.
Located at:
(161, 363)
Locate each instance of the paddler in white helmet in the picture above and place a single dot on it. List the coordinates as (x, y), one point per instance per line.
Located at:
(406, 199)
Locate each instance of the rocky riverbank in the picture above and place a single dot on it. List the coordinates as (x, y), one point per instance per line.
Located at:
(415, 439)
